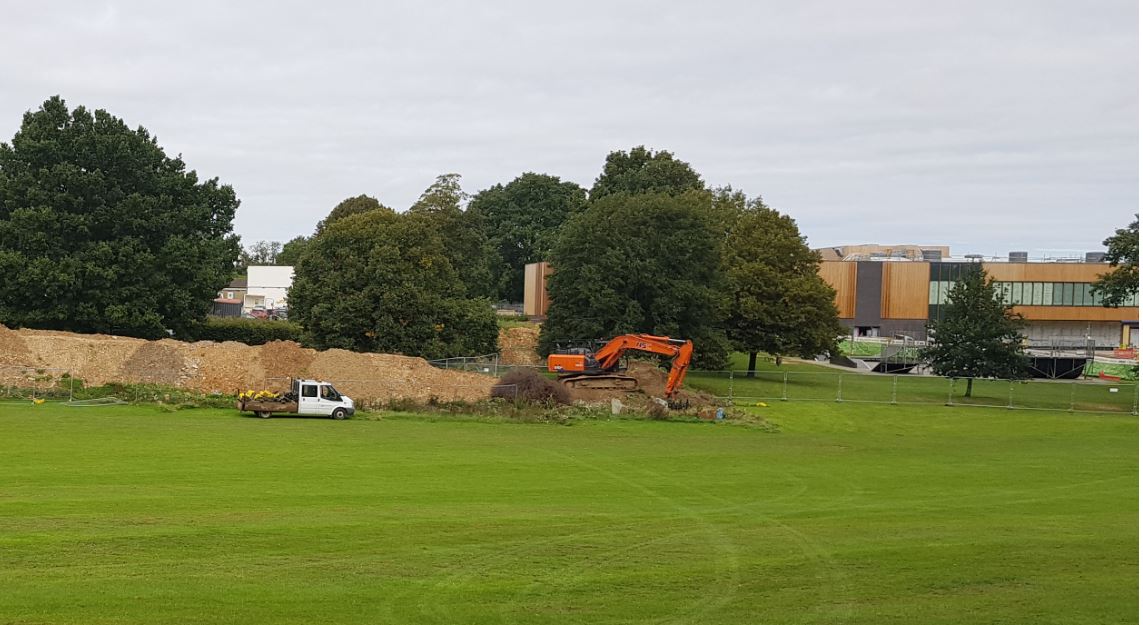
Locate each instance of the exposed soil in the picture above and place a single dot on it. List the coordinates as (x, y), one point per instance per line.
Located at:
(12, 348)
(231, 367)
(155, 362)
(518, 345)
(652, 383)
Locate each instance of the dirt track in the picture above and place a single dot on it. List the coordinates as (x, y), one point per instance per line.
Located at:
(230, 367)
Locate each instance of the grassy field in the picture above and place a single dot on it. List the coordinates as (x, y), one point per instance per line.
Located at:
(851, 513)
(801, 381)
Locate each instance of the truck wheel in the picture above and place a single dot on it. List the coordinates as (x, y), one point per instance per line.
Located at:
(339, 414)
(264, 414)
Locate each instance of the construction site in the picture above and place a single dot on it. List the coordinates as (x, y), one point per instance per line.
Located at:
(43, 360)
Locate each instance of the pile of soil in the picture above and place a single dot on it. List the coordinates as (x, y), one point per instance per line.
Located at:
(12, 349)
(385, 376)
(518, 345)
(231, 367)
(283, 359)
(95, 358)
(155, 362)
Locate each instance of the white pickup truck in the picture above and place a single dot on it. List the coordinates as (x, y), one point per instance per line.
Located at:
(307, 398)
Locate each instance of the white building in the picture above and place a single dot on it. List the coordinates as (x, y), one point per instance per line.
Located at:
(267, 287)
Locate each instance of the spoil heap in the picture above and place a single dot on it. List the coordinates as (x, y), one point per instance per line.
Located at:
(230, 367)
(518, 345)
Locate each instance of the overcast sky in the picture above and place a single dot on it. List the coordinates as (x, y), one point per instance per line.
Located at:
(990, 126)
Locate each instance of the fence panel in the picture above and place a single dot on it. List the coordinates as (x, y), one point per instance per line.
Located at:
(1103, 397)
(867, 388)
(993, 393)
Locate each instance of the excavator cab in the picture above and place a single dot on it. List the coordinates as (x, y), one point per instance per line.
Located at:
(574, 360)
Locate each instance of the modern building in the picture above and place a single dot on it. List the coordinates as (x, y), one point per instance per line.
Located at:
(894, 296)
(876, 251)
(536, 289)
(884, 298)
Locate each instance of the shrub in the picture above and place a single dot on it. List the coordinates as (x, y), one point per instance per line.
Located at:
(526, 385)
(248, 331)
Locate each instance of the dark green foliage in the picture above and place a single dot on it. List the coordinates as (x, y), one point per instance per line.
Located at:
(293, 250)
(645, 171)
(528, 386)
(350, 206)
(441, 208)
(780, 305)
(521, 221)
(1120, 284)
(248, 331)
(978, 336)
(383, 282)
(639, 263)
(101, 232)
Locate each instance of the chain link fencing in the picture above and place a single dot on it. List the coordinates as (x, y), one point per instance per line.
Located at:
(742, 388)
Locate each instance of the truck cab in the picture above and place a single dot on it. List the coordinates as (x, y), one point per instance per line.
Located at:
(321, 399)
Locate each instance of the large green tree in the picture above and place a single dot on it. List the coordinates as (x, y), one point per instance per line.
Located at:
(442, 207)
(641, 170)
(521, 221)
(100, 231)
(1120, 284)
(292, 250)
(779, 303)
(350, 206)
(977, 335)
(639, 263)
(383, 282)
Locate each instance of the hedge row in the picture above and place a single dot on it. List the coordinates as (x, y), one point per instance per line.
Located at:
(248, 331)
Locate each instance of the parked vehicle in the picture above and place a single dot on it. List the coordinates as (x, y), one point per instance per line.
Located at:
(306, 397)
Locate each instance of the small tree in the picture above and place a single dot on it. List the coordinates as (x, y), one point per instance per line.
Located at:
(1123, 254)
(977, 334)
(260, 253)
(780, 305)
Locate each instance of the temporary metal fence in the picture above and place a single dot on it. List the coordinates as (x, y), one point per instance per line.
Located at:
(490, 364)
(743, 388)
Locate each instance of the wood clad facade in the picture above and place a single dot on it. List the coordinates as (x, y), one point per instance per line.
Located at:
(1078, 313)
(1045, 272)
(536, 289)
(842, 276)
(904, 290)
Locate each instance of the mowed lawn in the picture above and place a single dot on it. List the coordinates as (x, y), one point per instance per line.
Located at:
(851, 513)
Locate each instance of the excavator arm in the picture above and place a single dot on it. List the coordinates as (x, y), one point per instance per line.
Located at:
(679, 350)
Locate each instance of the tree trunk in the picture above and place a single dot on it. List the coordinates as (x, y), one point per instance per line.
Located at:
(777, 360)
(753, 364)
(968, 389)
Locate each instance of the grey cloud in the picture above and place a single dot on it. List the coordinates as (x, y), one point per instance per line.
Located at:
(990, 126)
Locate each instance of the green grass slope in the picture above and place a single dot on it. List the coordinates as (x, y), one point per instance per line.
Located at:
(851, 513)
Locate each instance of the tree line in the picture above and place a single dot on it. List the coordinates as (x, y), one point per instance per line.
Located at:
(101, 231)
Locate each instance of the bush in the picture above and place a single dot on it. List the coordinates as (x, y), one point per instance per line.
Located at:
(525, 385)
(248, 331)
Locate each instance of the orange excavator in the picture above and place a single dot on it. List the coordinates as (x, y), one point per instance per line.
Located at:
(580, 368)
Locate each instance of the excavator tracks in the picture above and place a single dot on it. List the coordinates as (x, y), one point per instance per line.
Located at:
(609, 382)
